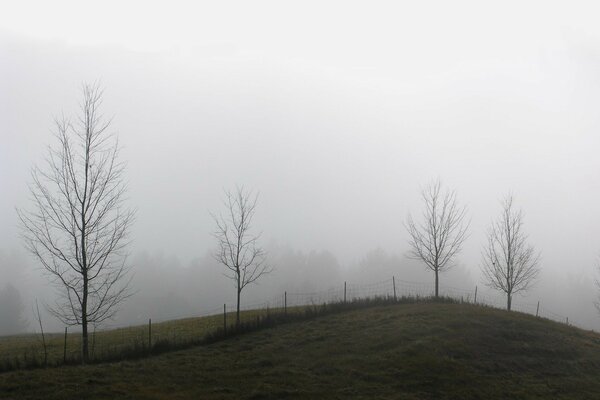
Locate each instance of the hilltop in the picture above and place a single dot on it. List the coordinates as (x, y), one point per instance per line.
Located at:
(408, 351)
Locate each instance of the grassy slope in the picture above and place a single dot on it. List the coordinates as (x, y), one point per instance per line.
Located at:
(112, 341)
(419, 351)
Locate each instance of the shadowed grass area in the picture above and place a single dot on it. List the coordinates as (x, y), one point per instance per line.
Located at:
(408, 351)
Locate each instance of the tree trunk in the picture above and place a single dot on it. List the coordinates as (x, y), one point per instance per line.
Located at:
(84, 267)
(437, 283)
(84, 298)
(508, 301)
(237, 314)
(84, 324)
(84, 342)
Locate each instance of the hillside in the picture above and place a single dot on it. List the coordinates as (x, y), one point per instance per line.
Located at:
(414, 351)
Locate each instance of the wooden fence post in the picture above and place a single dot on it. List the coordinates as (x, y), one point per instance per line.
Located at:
(65, 348)
(150, 334)
(475, 302)
(344, 291)
(537, 310)
(394, 285)
(225, 318)
(285, 302)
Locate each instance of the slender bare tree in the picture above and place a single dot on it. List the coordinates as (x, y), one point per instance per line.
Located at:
(439, 237)
(78, 225)
(38, 317)
(237, 247)
(509, 264)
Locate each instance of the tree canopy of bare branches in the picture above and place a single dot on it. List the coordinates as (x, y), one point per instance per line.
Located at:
(78, 225)
(439, 236)
(509, 264)
(237, 247)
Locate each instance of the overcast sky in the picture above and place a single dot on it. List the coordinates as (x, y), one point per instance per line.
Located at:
(337, 112)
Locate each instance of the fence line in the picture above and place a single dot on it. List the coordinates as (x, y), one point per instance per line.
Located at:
(109, 340)
(355, 291)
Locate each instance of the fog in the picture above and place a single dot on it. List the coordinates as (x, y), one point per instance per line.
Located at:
(337, 114)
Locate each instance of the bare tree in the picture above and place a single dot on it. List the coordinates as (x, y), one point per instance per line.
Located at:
(439, 237)
(78, 226)
(237, 248)
(509, 264)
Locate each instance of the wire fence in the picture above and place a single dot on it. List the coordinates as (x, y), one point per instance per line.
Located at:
(109, 343)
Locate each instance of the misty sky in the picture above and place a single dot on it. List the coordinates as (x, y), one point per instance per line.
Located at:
(337, 112)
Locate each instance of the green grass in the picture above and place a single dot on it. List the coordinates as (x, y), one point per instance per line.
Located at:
(407, 351)
(24, 350)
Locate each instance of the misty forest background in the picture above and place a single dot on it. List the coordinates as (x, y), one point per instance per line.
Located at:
(337, 138)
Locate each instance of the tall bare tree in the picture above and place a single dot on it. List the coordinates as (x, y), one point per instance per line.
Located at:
(78, 225)
(509, 264)
(440, 234)
(237, 247)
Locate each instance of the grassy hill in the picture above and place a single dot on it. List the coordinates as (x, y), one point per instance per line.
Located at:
(409, 351)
